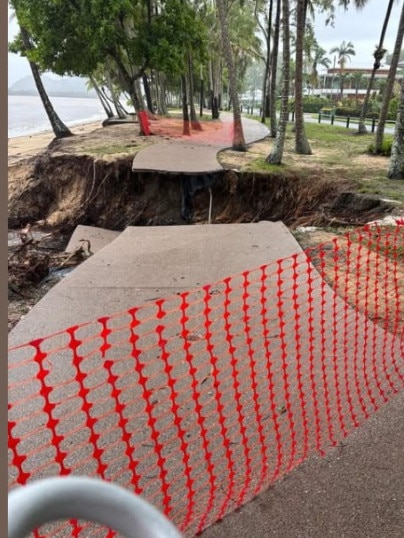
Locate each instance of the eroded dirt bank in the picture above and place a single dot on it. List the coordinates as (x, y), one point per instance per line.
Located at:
(63, 191)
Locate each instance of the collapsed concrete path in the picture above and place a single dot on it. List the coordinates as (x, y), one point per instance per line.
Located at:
(196, 154)
(144, 263)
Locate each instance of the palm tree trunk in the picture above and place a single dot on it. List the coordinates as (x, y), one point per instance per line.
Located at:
(132, 87)
(390, 84)
(219, 79)
(267, 71)
(276, 155)
(332, 80)
(265, 89)
(147, 91)
(238, 134)
(138, 92)
(378, 57)
(274, 69)
(201, 94)
(194, 119)
(214, 102)
(136, 103)
(302, 145)
(59, 129)
(396, 166)
(361, 125)
(185, 116)
(121, 112)
(102, 98)
(161, 94)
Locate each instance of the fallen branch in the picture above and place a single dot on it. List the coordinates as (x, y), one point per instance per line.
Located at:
(79, 253)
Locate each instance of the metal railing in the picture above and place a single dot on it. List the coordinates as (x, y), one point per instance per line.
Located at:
(348, 120)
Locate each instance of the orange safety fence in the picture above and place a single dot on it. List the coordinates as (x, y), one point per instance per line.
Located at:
(199, 401)
(209, 132)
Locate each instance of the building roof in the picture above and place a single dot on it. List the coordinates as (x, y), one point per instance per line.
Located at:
(364, 71)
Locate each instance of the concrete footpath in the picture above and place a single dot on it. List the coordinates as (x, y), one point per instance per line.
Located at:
(196, 154)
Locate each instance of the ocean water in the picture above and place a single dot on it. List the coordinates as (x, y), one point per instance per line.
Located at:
(26, 114)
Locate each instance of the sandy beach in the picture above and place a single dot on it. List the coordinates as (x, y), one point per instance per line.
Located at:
(23, 147)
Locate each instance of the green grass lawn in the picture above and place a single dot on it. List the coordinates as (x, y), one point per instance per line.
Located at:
(338, 154)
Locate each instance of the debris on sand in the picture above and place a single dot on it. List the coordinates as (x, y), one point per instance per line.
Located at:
(36, 262)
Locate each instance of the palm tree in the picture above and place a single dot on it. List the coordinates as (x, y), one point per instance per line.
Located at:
(388, 90)
(104, 80)
(318, 58)
(359, 4)
(344, 53)
(238, 134)
(186, 131)
(92, 84)
(343, 77)
(378, 56)
(59, 129)
(266, 32)
(302, 145)
(274, 69)
(381, 84)
(396, 166)
(357, 79)
(194, 120)
(275, 157)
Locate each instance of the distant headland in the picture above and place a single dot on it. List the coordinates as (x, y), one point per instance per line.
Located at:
(55, 87)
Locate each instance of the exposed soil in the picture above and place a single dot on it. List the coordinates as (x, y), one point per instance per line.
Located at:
(87, 179)
(36, 262)
(72, 182)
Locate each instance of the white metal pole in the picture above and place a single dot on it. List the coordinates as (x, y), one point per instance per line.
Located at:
(91, 499)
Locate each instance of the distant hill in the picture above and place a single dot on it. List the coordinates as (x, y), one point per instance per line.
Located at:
(55, 87)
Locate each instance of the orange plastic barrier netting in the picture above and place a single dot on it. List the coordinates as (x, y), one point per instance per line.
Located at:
(200, 401)
(209, 132)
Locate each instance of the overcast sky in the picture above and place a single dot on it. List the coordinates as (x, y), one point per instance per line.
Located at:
(361, 27)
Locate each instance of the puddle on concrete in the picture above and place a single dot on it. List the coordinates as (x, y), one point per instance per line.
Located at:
(60, 273)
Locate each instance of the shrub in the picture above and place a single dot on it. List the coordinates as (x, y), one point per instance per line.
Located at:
(311, 104)
(348, 107)
(393, 107)
(385, 149)
(355, 112)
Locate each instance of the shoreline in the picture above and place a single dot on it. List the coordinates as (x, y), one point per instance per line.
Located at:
(26, 146)
(70, 124)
